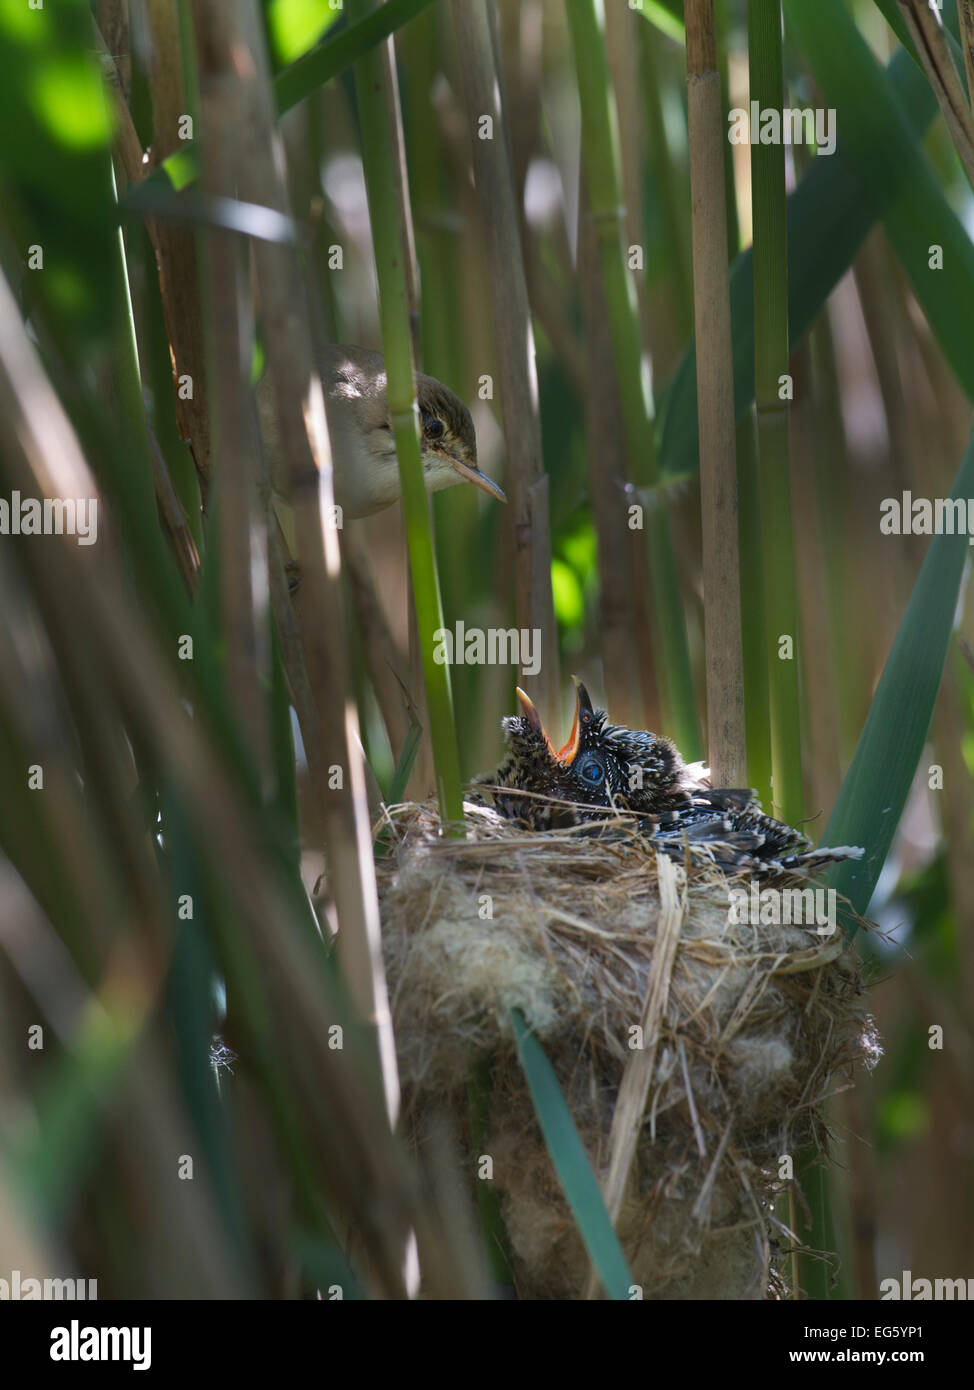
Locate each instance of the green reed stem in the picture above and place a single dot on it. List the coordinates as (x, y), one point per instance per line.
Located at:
(601, 164)
(386, 217)
(770, 366)
(781, 588)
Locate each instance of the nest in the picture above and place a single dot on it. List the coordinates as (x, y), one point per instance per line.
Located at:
(746, 1029)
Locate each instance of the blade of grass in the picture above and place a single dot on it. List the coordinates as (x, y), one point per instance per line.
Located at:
(665, 18)
(386, 218)
(571, 1163)
(878, 782)
(400, 779)
(340, 51)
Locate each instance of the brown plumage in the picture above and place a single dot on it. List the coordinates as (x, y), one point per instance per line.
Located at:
(366, 474)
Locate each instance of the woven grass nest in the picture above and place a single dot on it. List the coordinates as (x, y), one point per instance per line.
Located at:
(747, 1029)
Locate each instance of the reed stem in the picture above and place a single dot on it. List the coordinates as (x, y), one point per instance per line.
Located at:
(386, 216)
(771, 380)
(601, 164)
(715, 403)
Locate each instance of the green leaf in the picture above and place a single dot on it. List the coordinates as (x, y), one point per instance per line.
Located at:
(571, 1164)
(904, 1115)
(340, 50)
(878, 782)
(567, 593)
(830, 214)
(883, 145)
(152, 199)
(664, 17)
(890, 11)
(68, 97)
(297, 24)
(397, 787)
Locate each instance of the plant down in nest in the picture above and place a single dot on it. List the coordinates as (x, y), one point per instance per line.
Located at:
(695, 1051)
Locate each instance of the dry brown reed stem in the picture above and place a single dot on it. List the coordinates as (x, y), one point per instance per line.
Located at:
(346, 1129)
(821, 697)
(333, 741)
(549, 309)
(637, 1075)
(715, 403)
(639, 1069)
(126, 136)
(382, 656)
(175, 246)
(545, 297)
(229, 328)
(607, 472)
(622, 56)
(424, 769)
(173, 516)
(122, 944)
(927, 32)
(111, 20)
(175, 252)
(517, 371)
(965, 15)
(519, 39)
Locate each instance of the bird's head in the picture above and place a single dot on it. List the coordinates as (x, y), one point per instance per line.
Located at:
(602, 764)
(367, 471)
(447, 439)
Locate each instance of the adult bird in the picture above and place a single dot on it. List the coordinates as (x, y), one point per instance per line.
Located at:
(606, 768)
(366, 472)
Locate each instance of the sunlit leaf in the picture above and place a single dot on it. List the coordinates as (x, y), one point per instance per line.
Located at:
(567, 592)
(68, 96)
(297, 24)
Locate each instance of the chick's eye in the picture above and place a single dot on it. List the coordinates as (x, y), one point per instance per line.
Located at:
(434, 428)
(592, 771)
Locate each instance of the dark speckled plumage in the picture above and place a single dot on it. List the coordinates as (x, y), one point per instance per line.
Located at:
(607, 767)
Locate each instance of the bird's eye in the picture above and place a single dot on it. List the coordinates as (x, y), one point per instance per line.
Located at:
(592, 771)
(434, 427)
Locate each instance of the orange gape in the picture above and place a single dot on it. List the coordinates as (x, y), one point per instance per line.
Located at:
(570, 749)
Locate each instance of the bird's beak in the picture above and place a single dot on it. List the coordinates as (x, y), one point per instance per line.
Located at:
(472, 474)
(583, 712)
(534, 718)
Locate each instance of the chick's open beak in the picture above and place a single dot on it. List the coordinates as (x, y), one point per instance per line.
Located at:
(472, 474)
(533, 717)
(583, 712)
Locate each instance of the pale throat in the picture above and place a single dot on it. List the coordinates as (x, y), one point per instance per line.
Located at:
(368, 478)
